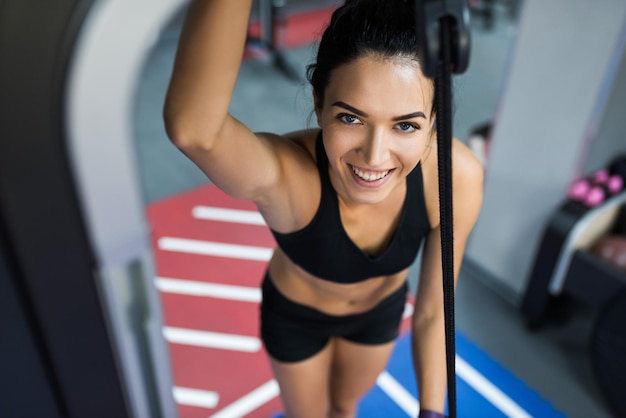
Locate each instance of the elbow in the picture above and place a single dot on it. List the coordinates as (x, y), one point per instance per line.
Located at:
(193, 124)
(177, 134)
(185, 135)
(174, 126)
(427, 318)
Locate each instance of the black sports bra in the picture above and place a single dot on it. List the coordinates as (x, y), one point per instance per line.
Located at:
(323, 248)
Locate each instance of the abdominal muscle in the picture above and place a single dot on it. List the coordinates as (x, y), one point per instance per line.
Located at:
(326, 296)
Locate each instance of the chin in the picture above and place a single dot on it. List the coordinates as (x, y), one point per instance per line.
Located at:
(369, 196)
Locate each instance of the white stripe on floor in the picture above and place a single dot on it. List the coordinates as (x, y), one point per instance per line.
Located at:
(212, 339)
(398, 394)
(227, 215)
(488, 390)
(214, 290)
(218, 249)
(196, 397)
(408, 310)
(250, 402)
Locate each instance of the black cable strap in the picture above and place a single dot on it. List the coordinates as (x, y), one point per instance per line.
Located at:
(443, 93)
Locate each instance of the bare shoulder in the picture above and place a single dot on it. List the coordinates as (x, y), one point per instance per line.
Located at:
(467, 184)
(294, 147)
(305, 139)
(467, 169)
(467, 178)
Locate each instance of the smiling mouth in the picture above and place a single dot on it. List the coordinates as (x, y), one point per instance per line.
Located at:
(370, 175)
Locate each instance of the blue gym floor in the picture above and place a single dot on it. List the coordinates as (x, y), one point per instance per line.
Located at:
(484, 388)
(535, 374)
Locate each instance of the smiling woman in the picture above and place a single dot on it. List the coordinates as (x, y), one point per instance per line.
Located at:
(335, 288)
(386, 132)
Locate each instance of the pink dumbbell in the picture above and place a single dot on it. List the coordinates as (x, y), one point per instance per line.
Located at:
(579, 190)
(601, 176)
(595, 197)
(615, 184)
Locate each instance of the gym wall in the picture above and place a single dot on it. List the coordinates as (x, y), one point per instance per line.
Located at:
(551, 122)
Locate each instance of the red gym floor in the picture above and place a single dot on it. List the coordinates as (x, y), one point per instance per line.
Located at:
(211, 252)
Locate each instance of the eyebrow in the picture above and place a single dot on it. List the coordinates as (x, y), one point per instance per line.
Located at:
(363, 114)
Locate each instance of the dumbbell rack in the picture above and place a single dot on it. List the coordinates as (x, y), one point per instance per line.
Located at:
(563, 266)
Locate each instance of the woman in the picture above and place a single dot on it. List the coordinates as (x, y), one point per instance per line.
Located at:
(349, 204)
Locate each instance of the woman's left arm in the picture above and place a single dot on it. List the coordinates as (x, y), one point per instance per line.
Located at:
(428, 336)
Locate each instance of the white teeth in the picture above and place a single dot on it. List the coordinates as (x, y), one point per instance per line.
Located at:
(369, 176)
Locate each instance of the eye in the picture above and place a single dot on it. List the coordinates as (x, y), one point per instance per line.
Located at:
(348, 118)
(407, 127)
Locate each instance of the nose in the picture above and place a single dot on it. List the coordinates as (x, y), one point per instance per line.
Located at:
(376, 149)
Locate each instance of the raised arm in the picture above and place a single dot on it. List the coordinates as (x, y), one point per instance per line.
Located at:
(196, 115)
(428, 338)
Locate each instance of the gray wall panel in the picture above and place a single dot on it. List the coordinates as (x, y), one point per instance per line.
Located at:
(563, 56)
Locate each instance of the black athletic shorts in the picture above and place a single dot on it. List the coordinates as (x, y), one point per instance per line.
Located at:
(293, 332)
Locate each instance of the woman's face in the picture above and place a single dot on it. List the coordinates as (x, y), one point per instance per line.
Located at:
(376, 118)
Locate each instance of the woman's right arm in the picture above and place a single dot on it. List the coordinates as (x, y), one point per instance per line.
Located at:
(196, 115)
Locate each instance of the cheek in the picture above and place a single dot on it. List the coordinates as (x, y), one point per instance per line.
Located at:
(415, 144)
(341, 145)
(413, 151)
(340, 136)
(336, 144)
